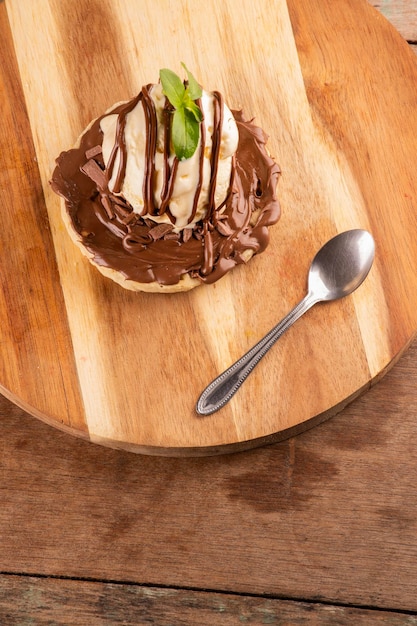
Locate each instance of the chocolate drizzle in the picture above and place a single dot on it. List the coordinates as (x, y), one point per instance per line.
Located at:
(215, 149)
(148, 177)
(169, 171)
(119, 146)
(138, 247)
(200, 172)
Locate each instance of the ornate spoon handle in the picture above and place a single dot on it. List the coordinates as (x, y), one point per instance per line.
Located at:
(222, 388)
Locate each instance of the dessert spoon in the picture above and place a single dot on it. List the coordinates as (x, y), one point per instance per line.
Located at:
(338, 268)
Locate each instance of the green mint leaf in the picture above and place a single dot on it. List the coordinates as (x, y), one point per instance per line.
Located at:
(194, 89)
(185, 133)
(194, 109)
(172, 87)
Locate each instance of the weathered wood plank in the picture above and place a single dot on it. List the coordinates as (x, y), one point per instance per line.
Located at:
(330, 515)
(402, 14)
(77, 603)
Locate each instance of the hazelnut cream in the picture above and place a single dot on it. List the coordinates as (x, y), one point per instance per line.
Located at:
(153, 219)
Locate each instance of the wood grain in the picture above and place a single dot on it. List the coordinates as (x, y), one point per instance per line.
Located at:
(402, 14)
(334, 129)
(59, 499)
(328, 516)
(36, 360)
(59, 602)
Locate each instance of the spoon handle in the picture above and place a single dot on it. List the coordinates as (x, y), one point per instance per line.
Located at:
(222, 388)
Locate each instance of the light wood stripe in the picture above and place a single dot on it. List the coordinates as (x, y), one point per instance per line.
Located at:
(37, 367)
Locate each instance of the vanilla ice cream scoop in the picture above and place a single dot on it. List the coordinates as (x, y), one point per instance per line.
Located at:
(191, 179)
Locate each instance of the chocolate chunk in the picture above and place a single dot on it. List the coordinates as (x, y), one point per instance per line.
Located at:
(187, 233)
(224, 229)
(105, 201)
(172, 236)
(121, 202)
(159, 231)
(121, 210)
(94, 171)
(93, 152)
(130, 219)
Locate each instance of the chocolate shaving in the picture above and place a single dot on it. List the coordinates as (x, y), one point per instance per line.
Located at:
(130, 219)
(187, 233)
(159, 231)
(94, 171)
(93, 152)
(224, 229)
(122, 202)
(125, 216)
(208, 251)
(105, 201)
(121, 210)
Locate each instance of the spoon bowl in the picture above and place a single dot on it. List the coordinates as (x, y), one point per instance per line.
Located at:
(338, 268)
(341, 265)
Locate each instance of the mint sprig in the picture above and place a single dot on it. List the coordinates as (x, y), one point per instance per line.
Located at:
(187, 114)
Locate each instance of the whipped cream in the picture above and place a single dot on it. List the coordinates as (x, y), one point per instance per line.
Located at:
(188, 173)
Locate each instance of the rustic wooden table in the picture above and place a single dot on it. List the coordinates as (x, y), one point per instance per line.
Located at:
(318, 529)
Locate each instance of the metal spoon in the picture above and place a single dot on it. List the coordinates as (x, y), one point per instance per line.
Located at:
(338, 268)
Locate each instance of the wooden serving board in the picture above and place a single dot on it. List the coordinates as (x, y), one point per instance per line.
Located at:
(334, 85)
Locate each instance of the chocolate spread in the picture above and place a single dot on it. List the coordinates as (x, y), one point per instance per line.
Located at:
(145, 251)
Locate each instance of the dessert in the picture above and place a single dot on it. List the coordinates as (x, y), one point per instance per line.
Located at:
(165, 197)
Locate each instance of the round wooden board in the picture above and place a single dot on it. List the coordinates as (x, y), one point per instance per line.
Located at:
(335, 88)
